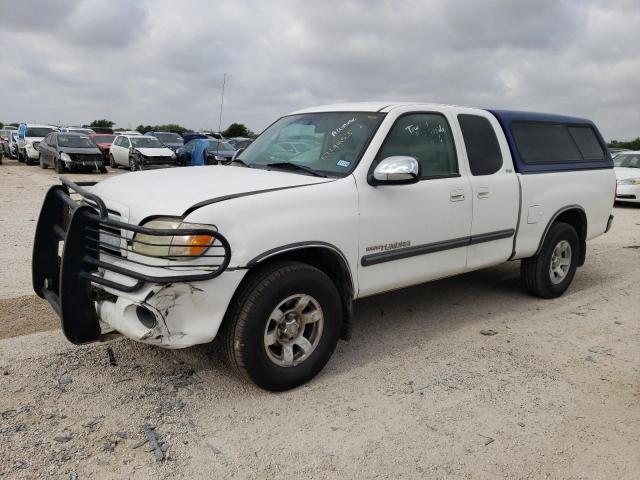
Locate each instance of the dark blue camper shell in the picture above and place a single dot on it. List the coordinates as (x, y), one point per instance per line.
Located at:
(508, 119)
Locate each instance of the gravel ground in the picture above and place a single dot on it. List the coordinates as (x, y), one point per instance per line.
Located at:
(418, 393)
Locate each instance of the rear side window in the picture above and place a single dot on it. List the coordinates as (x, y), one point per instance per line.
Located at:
(556, 143)
(482, 145)
(588, 144)
(426, 137)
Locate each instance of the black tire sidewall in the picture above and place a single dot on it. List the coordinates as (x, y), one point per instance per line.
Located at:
(257, 365)
(557, 233)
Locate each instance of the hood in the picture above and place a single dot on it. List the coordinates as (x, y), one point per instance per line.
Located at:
(155, 152)
(173, 191)
(623, 173)
(33, 139)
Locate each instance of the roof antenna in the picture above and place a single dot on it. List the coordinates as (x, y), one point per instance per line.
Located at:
(224, 81)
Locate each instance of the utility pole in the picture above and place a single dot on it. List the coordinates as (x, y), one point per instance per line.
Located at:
(224, 81)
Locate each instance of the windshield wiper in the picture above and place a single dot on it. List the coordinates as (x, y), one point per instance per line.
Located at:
(296, 166)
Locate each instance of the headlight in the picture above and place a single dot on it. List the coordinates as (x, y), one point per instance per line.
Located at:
(219, 158)
(172, 246)
(65, 157)
(629, 181)
(28, 145)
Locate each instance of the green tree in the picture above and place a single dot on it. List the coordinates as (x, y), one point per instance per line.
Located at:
(631, 145)
(15, 124)
(170, 127)
(1, 125)
(238, 130)
(102, 123)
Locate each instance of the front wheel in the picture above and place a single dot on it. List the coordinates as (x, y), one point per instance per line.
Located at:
(60, 168)
(42, 164)
(282, 325)
(549, 274)
(134, 164)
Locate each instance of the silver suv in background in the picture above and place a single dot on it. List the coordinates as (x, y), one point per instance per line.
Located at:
(29, 137)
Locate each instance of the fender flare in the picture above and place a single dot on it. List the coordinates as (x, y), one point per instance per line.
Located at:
(555, 216)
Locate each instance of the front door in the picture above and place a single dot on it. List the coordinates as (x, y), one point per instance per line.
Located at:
(417, 232)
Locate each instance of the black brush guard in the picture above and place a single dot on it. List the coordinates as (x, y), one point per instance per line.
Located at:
(67, 280)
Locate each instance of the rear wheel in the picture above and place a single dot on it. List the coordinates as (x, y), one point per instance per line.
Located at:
(282, 326)
(549, 274)
(112, 162)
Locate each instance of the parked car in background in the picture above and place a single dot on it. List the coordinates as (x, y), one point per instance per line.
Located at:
(139, 151)
(81, 130)
(130, 132)
(239, 142)
(193, 152)
(67, 151)
(104, 130)
(627, 168)
(13, 144)
(103, 142)
(29, 137)
(616, 151)
(168, 139)
(188, 136)
(5, 142)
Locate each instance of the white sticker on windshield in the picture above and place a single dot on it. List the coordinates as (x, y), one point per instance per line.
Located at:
(343, 163)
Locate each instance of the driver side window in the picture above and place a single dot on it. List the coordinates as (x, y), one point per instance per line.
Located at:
(427, 138)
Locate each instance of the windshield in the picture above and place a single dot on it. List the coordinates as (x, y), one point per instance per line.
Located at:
(38, 132)
(216, 146)
(330, 143)
(629, 160)
(169, 137)
(5, 133)
(104, 139)
(145, 142)
(75, 141)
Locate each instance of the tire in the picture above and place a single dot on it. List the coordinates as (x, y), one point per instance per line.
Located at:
(42, 164)
(282, 287)
(59, 164)
(561, 248)
(102, 169)
(20, 159)
(112, 162)
(134, 165)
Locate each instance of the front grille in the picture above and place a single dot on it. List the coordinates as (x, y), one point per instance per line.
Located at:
(158, 160)
(85, 157)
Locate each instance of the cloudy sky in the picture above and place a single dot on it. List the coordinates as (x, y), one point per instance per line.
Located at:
(160, 61)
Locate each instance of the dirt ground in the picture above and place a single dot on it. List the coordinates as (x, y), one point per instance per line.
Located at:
(418, 393)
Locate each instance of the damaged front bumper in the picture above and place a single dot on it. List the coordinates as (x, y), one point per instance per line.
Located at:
(83, 266)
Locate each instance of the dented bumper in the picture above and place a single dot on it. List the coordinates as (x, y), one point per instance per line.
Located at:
(85, 267)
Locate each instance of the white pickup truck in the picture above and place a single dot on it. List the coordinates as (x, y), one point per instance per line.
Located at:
(268, 253)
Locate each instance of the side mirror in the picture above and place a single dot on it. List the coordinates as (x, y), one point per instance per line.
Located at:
(396, 170)
(236, 153)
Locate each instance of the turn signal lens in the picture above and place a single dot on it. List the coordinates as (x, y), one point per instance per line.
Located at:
(191, 245)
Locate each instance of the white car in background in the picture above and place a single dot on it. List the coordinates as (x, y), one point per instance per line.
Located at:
(627, 168)
(29, 137)
(138, 152)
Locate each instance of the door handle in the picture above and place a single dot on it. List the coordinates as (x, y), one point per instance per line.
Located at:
(456, 195)
(483, 192)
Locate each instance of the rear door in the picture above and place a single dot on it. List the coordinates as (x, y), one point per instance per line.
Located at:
(495, 188)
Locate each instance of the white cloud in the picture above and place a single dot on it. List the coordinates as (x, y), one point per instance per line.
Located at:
(162, 61)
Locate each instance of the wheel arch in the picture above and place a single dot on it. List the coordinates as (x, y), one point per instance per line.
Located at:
(575, 216)
(325, 257)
